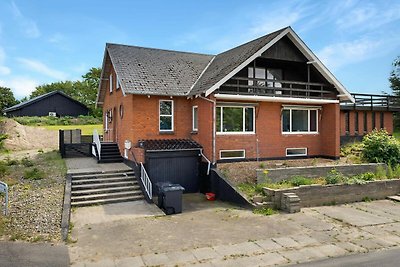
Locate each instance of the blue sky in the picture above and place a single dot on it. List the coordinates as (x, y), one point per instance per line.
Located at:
(43, 41)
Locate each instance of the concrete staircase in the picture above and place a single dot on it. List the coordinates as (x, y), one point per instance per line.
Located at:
(110, 153)
(394, 198)
(98, 188)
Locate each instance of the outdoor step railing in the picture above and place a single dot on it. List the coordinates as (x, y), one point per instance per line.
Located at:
(96, 140)
(148, 187)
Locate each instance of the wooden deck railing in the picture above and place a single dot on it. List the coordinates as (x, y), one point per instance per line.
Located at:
(371, 102)
(281, 88)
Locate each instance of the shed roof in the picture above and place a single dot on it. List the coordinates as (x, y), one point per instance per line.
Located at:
(39, 98)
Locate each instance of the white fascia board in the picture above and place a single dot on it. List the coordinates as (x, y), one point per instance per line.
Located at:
(275, 99)
(319, 65)
(247, 62)
(115, 69)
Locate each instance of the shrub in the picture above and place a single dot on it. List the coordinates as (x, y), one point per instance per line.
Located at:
(34, 174)
(2, 138)
(300, 180)
(334, 177)
(264, 211)
(380, 173)
(3, 169)
(381, 148)
(396, 171)
(26, 162)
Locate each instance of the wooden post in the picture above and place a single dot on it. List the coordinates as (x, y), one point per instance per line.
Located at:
(61, 143)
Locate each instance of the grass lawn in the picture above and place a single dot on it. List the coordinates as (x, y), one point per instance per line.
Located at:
(396, 134)
(86, 129)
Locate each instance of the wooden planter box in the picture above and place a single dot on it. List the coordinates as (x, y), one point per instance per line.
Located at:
(320, 195)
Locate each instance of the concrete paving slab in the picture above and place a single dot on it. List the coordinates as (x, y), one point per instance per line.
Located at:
(369, 244)
(351, 248)
(129, 262)
(305, 240)
(331, 250)
(205, 253)
(101, 263)
(286, 242)
(384, 209)
(155, 259)
(307, 220)
(302, 255)
(114, 212)
(179, 257)
(248, 248)
(353, 216)
(268, 244)
(81, 165)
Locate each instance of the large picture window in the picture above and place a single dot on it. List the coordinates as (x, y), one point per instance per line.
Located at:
(166, 115)
(299, 120)
(235, 119)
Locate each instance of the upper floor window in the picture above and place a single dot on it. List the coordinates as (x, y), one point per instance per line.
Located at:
(118, 84)
(111, 83)
(166, 115)
(232, 119)
(195, 123)
(299, 120)
(262, 74)
(274, 74)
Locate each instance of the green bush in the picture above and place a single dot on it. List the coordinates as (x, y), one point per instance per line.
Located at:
(2, 138)
(300, 180)
(34, 174)
(380, 147)
(334, 177)
(26, 162)
(67, 120)
(264, 211)
(3, 169)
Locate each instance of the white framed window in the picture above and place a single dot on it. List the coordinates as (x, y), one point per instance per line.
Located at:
(232, 154)
(166, 112)
(111, 83)
(235, 120)
(258, 73)
(118, 84)
(299, 120)
(195, 120)
(295, 152)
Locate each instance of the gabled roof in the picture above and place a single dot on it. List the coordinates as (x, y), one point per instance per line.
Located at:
(154, 71)
(164, 72)
(39, 98)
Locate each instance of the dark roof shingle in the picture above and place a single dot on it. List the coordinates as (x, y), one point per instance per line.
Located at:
(155, 71)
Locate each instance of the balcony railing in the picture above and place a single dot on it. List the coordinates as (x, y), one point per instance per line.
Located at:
(277, 88)
(372, 102)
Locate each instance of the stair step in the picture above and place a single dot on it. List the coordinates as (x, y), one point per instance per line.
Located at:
(102, 185)
(106, 156)
(132, 189)
(129, 174)
(106, 195)
(112, 160)
(125, 170)
(105, 201)
(104, 180)
(394, 198)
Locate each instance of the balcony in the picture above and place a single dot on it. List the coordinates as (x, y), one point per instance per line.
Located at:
(372, 102)
(278, 88)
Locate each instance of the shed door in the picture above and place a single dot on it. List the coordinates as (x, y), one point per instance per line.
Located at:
(180, 167)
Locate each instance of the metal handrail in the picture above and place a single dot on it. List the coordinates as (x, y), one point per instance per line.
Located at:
(96, 140)
(208, 161)
(146, 181)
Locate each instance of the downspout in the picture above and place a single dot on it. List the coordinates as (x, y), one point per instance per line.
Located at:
(214, 128)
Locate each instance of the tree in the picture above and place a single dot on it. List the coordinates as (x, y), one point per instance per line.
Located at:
(7, 98)
(85, 91)
(394, 80)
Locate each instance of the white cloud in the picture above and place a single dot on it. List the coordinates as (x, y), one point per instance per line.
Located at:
(29, 26)
(344, 53)
(42, 68)
(57, 38)
(21, 86)
(3, 69)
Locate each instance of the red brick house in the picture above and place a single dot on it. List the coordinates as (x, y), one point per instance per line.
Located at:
(266, 99)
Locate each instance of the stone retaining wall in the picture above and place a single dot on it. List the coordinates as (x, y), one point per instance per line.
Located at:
(320, 195)
(277, 175)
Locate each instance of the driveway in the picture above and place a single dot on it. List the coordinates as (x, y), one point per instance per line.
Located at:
(218, 234)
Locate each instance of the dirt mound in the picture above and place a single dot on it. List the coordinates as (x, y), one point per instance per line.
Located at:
(22, 137)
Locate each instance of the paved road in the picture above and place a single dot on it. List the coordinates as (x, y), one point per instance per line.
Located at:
(385, 258)
(16, 254)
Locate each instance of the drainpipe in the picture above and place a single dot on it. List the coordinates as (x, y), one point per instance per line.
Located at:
(214, 127)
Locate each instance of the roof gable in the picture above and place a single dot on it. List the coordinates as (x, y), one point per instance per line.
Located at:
(39, 98)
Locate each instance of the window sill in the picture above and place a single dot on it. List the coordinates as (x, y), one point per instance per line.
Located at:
(194, 132)
(236, 133)
(167, 132)
(301, 133)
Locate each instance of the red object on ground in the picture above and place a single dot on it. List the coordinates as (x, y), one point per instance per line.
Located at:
(210, 196)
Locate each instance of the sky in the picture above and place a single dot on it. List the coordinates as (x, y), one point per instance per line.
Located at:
(44, 41)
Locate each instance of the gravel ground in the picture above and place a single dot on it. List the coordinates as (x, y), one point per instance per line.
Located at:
(35, 206)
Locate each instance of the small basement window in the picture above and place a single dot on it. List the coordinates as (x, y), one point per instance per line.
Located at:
(232, 154)
(294, 152)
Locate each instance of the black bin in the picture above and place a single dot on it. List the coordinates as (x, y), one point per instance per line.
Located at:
(171, 198)
(159, 188)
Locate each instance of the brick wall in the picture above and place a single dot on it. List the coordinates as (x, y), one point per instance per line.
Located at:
(272, 142)
(388, 122)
